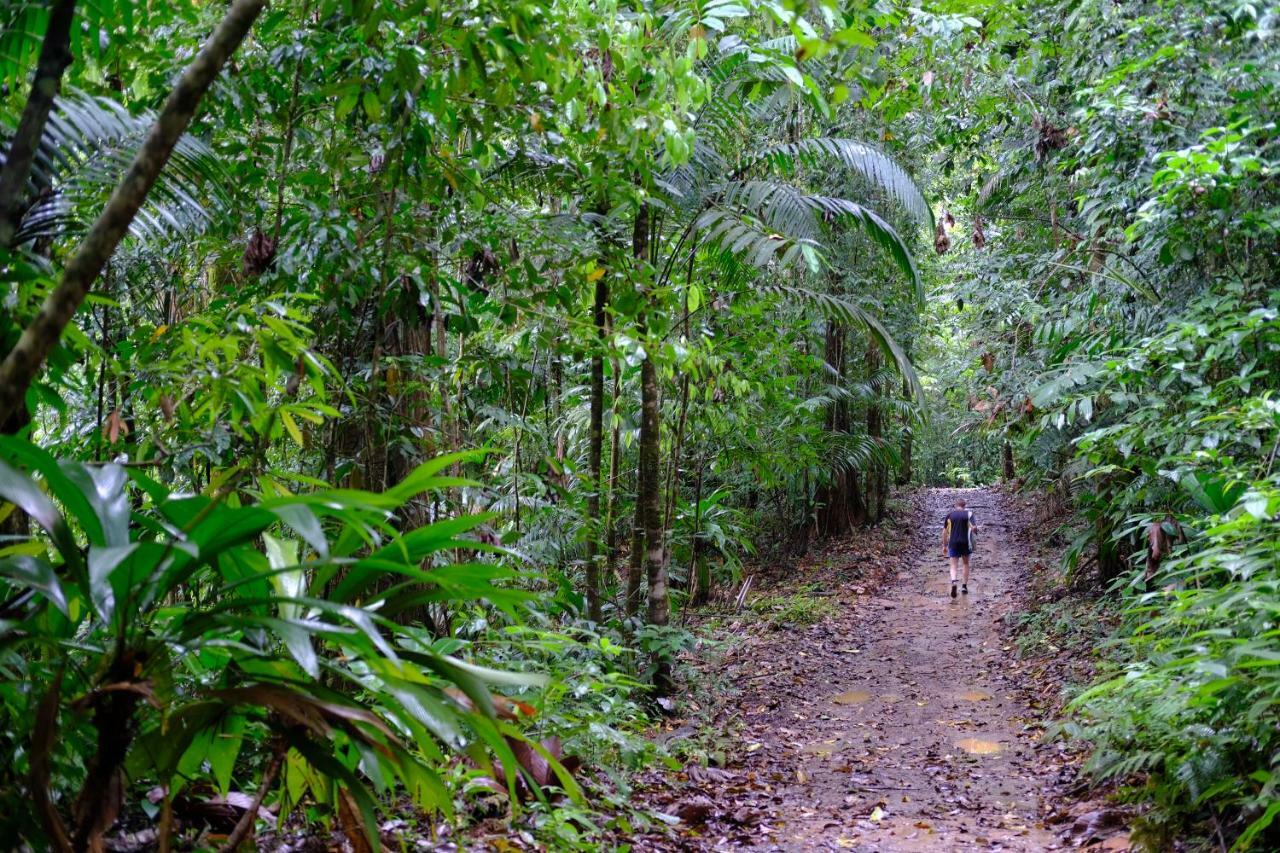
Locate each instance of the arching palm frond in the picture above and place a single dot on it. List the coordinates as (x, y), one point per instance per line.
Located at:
(532, 167)
(686, 183)
(783, 208)
(852, 313)
(857, 451)
(87, 146)
(874, 166)
(739, 234)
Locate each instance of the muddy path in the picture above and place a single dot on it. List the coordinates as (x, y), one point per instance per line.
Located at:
(895, 724)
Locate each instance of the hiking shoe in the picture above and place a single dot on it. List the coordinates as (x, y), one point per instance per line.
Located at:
(965, 589)
(953, 590)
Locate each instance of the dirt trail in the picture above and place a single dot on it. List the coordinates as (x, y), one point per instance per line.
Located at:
(894, 725)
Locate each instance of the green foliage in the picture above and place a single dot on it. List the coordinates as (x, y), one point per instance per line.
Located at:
(101, 646)
(800, 609)
(1112, 317)
(263, 562)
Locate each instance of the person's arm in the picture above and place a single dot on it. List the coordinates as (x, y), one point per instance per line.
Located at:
(946, 529)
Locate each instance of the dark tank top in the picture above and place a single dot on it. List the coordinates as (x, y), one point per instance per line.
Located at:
(957, 522)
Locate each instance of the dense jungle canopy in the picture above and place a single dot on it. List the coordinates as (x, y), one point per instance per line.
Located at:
(391, 390)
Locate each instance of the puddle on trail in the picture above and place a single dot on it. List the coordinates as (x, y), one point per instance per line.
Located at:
(975, 696)
(978, 746)
(851, 697)
(822, 749)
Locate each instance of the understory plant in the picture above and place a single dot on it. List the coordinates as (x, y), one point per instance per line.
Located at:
(162, 648)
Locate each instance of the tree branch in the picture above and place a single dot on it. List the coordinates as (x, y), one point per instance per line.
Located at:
(245, 824)
(24, 361)
(55, 56)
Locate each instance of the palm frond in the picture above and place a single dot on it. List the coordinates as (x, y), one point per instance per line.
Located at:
(784, 209)
(874, 166)
(735, 232)
(531, 167)
(857, 451)
(853, 314)
(706, 165)
(87, 146)
(1001, 187)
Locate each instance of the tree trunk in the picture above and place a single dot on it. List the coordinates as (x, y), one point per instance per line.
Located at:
(700, 572)
(615, 459)
(22, 364)
(908, 438)
(1006, 454)
(840, 504)
(635, 561)
(650, 497)
(649, 500)
(875, 429)
(595, 453)
(55, 56)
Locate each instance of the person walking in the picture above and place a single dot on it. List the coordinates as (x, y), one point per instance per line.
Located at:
(957, 542)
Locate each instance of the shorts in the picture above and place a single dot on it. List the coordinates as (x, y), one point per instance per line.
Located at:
(958, 550)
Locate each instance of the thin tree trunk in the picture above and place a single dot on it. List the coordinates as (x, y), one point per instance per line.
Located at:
(55, 56)
(1006, 453)
(650, 497)
(840, 501)
(673, 464)
(595, 452)
(904, 473)
(25, 360)
(875, 429)
(649, 500)
(615, 459)
(699, 572)
(635, 565)
(635, 561)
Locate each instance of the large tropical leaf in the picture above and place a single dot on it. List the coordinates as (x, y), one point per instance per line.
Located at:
(97, 23)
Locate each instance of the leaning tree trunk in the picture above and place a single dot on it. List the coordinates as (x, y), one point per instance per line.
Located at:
(55, 56)
(22, 364)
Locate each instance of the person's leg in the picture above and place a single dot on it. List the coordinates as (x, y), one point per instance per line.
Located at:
(955, 564)
(966, 572)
